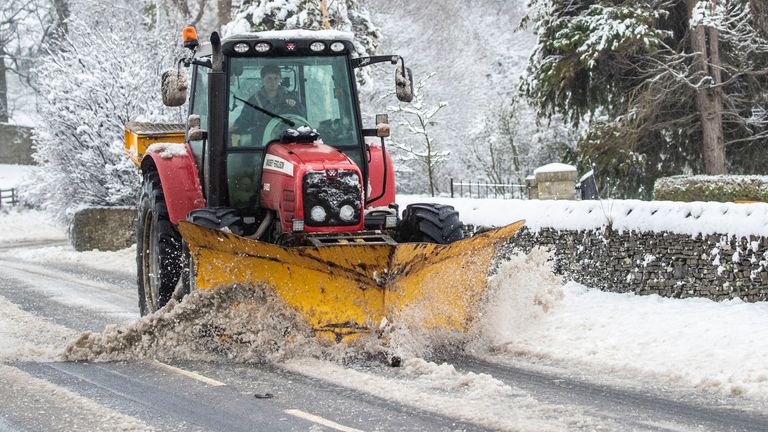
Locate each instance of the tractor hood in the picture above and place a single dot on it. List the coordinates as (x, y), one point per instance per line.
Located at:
(313, 154)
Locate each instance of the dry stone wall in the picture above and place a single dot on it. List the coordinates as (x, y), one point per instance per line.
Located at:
(714, 266)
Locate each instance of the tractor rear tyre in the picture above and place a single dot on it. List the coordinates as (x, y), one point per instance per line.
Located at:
(430, 223)
(158, 248)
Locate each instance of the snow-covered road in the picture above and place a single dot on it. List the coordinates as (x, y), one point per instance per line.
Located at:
(544, 356)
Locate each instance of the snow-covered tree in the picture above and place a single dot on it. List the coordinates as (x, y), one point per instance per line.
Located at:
(509, 147)
(479, 59)
(666, 86)
(105, 73)
(345, 15)
(26, 26)
(419, 152)
(206, 15)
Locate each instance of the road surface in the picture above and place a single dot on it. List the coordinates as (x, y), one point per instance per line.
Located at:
(49, 295)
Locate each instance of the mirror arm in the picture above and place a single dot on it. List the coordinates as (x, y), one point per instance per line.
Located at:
(367, 61)
(205, 63)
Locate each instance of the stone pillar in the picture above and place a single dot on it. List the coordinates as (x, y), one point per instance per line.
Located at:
(103, 228)
(556, 181)
(530, 183)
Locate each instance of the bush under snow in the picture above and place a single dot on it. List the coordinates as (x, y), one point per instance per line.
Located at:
(102, 76)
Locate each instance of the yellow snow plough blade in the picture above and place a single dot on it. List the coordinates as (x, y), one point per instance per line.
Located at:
(343, 290)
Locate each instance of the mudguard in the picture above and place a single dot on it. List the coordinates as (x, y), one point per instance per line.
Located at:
(376, 167)
(178, 177)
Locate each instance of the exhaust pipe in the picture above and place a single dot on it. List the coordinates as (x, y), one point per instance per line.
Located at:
(215, 167)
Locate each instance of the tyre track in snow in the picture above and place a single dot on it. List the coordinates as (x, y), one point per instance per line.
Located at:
(7, 245)
(635, 409)
(83, 299)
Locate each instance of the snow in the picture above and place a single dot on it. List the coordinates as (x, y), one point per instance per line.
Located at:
(464, 396)
(30, 398)
(12, 175)
(693, 218)
(303, 34)
(121, 261)
(25, 336)
(168, 150)
(24, 225)
(554, 167)
(697, 342)
(531, 316)
(586, 175)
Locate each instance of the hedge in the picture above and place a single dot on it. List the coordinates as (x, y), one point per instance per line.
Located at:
(722, 188)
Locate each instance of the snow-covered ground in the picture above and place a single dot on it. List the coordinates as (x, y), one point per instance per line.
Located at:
(28, 225)
(532, 315)
(12, 175)
(721, 346)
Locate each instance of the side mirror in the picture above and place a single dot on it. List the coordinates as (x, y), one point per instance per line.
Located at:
(174, 87)
(403, 83)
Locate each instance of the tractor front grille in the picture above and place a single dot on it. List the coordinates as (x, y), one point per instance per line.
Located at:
(332, 190)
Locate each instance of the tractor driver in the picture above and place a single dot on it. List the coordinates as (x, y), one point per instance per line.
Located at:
(271, 97)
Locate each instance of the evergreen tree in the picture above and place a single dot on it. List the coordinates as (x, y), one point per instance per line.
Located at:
(666, 87)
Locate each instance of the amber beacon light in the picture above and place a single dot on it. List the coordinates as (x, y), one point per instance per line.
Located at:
(189, 35)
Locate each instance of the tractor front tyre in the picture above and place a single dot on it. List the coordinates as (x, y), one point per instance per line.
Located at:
(159, 257)
(430, 223)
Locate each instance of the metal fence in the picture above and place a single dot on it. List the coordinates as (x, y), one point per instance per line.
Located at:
(8, 197)
(466, 189)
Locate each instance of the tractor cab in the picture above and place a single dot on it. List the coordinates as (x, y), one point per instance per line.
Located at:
(260, 96)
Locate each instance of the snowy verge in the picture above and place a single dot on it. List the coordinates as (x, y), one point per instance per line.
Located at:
(13, 175)
(692, 342)
(121, 261)
(17, 225)
(623, 215)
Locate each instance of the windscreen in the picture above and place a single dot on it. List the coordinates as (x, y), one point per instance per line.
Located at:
(266, 94)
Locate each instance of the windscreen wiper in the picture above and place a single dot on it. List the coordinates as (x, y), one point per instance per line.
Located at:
(289, 122)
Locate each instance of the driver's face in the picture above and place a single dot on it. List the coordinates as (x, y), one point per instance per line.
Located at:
(271, 82)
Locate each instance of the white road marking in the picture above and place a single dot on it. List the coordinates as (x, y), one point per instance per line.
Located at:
(190, 374)
(321, 421)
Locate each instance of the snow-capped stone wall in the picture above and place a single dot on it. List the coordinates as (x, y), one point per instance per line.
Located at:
(671, 265)
(674, 249)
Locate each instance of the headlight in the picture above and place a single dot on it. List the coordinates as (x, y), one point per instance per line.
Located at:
(318, 213)
(241, 47)
(317, 46)
(337, 47)
(346, 213)
(262, 47)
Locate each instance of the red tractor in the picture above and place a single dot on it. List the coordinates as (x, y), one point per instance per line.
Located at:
(275, 152)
